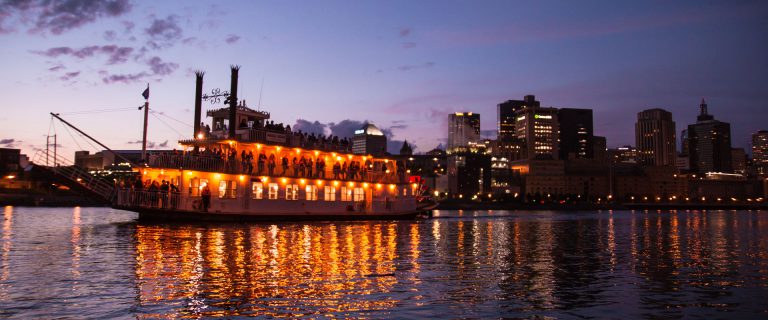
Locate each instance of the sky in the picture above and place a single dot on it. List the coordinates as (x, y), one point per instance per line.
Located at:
(329, 66)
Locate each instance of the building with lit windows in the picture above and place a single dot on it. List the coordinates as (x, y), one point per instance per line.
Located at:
(760, 152)
(655, 138)
(709, 143)
(538, 129)
(369, 140)
(509, 146)
(463, 131)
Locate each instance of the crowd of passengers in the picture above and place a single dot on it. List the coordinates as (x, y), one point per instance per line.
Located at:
(306, 140)
(300, 167)
(158, 194)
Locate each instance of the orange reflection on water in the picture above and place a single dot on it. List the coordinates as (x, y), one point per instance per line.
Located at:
(76, 248)
(6, 250)
(309, 270)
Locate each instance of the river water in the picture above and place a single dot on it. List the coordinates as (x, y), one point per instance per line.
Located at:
(101, 263)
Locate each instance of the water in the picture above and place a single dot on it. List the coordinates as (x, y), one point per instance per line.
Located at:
(100, 263)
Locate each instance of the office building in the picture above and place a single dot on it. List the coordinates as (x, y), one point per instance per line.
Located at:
(576, 133)
(537, 128)
(709, 143)
(369, 140)
(760, 152)
(463, 131)
(655, 138)
(509, 146)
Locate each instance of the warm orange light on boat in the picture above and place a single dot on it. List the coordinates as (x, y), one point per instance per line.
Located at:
(386, 160)
(278, 149)
(378, 186)
(333, 154)
(145, 171)
(319, 182)
(391, 187)
(363, 158)
(242, 177)
(303, 181)
(298, 150)
(338, 158)
(414, 185)
(218, 176)
(349, 156)
(351, 184)
(335, 183)
(365, 184)
(285, 180)
(264, 179)
(316, 153)
(258, 146)
(162, 171)
(189, 173)
(199, 135)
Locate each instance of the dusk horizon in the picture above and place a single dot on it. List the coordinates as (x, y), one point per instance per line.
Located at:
(331, 66)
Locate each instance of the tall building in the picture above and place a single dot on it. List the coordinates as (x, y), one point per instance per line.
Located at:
(599, 148)
(538, 129)
(760, 152)
(655, 138)
(576, 133)
(463, 131)
(625, 154)
(709, 143)
(739, 160)
(369, 140)
(509, 146)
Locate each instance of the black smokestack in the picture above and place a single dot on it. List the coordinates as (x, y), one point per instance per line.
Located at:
(198, 102)
(233, 103)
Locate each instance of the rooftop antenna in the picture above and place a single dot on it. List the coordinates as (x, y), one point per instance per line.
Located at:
(261, 90)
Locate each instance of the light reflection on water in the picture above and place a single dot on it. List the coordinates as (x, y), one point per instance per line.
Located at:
(98, 262)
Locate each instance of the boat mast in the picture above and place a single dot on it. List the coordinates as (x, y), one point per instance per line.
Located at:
(146, 115)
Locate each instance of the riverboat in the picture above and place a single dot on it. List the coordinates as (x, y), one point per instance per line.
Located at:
(262, 171)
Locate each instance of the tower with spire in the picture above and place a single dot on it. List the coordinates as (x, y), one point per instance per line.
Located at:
(709, 143)
(406, 149)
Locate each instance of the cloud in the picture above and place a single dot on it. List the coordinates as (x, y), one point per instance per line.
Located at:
(232, 39)
(163, 33)
(159, 67)
(110, 35)
(488, 134)
(163, 145)
(69, 75)
(125, 78)
(405, 32)
(409, 45)
(310, 127)
(425, 65)
(345, 128)
(57, 16)
(9, 143)
(151, 144)
(115, 54)
(56, 68)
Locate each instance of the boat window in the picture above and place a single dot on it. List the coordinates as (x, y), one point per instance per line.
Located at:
(258, 190)
(405, 192)
(359, 194)
(227, 189)
(311, 192)
(292, 192)
(346, 194)
(330, 193)
(273, 191)
(194, 187)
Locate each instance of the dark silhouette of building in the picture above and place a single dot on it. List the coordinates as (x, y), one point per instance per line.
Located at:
(576, 133)
(406, 149)
(655, 138)
(469, 174)
(599, 148)
(709, 143)
(369, 140)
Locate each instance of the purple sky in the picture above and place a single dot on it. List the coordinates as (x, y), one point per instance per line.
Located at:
(402, 65)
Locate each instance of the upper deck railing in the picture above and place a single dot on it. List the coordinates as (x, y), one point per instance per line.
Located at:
(275, 137)
(214, 163)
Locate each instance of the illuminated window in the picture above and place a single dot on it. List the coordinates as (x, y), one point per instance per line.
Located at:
(258, 190)
(227, 189)
(272, 195)
(346, 194)
(330, 193)
(405, 192)
(359, 194)
(292, 192)
(311, 192)
(196, 186)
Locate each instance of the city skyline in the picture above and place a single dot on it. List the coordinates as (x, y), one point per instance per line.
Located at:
(400, 66)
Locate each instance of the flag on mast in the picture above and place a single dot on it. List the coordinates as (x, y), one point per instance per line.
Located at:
(145, 94)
